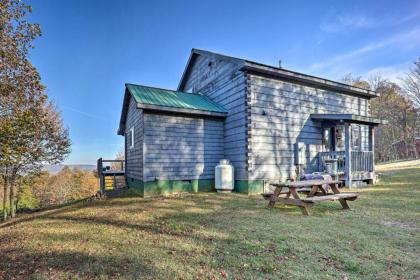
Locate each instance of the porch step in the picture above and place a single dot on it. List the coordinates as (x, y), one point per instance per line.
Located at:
(346, 196)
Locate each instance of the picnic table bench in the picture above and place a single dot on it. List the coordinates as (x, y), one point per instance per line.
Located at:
(287, 193)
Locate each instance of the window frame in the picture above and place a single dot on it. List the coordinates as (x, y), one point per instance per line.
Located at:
(130, 138)
(356, 137)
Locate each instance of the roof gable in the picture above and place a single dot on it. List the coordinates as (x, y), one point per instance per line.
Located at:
(279, 73)
(192, 59)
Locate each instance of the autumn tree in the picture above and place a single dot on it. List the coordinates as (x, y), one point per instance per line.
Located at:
(391, 105)
(119, 156)
(45, 189)
(400, 114)
(411, 84)
(355, 81)
(31, 130)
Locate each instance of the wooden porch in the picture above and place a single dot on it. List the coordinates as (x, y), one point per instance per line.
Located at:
(362, 167)
(111, 174)
(355, 160)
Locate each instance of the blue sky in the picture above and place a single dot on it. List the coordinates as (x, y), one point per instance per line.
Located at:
(89, 49)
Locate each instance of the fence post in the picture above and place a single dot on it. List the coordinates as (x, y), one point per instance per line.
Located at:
(101, 177)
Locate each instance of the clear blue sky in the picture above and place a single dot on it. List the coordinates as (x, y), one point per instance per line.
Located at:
(89, 49)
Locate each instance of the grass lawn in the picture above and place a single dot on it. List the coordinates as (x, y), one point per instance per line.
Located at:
(217, 236)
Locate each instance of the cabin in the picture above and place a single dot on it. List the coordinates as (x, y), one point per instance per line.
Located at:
(272, 124)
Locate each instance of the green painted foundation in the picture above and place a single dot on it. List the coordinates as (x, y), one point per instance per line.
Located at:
(166, 187)
(249, 187)
(135, 186)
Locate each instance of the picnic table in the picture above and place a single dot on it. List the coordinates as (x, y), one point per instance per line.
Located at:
(288, 193)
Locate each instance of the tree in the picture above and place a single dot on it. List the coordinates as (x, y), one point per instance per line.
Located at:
(16, 36)
(62, 186)
(31, 130)
(399, 113)
(355, 81)
(118, 156)
(393, 106)
(40, 187)
(411, 84)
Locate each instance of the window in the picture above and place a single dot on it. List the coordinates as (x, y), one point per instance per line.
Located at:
(326, 138)
(356, 138)
(130, 138)
(339, 138)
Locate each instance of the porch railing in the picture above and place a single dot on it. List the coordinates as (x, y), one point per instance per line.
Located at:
(361, 161)
(111, 173)
(340, 156)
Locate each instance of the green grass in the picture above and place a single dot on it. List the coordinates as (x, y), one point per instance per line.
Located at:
(217, 236)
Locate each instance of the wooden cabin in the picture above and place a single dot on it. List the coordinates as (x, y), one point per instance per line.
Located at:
(271, 123)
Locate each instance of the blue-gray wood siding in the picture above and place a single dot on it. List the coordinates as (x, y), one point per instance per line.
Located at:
(222, 81)
(266, 118)
(280, 117)
(181, 148)
(134, 155)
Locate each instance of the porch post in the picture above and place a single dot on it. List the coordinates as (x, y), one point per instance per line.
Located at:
(347, 137)
(372, 145)
(101, 177)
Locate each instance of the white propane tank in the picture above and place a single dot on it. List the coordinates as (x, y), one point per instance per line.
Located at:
(224, 176)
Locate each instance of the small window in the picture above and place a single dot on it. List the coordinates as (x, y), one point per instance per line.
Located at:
(340, 138)
(130, 138)
(327, 139)
(356, 137)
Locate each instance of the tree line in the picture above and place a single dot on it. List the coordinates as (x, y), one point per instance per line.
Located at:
(45, 189)
(399, 104)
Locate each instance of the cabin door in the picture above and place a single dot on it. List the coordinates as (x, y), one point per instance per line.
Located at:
(333, 138)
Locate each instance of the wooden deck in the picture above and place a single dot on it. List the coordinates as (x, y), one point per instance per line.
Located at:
(111, 174)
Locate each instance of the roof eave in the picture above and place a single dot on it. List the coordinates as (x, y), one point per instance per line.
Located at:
(350, 118)
(307, 79)
(121, 127)
(187, 69)
(176, 110)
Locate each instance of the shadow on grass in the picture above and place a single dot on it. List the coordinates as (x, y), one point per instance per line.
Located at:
(33, 214)
(68, 265)
(54, 260)
(28, 216)
(220, 222)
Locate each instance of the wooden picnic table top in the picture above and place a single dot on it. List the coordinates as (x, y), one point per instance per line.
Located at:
(304, 184)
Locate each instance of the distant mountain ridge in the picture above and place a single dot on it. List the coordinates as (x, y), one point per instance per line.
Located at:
(54, 169)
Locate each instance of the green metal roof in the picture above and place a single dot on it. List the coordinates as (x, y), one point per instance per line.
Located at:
(145, 95)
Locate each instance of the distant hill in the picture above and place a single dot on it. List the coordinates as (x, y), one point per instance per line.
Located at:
(54, 169)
